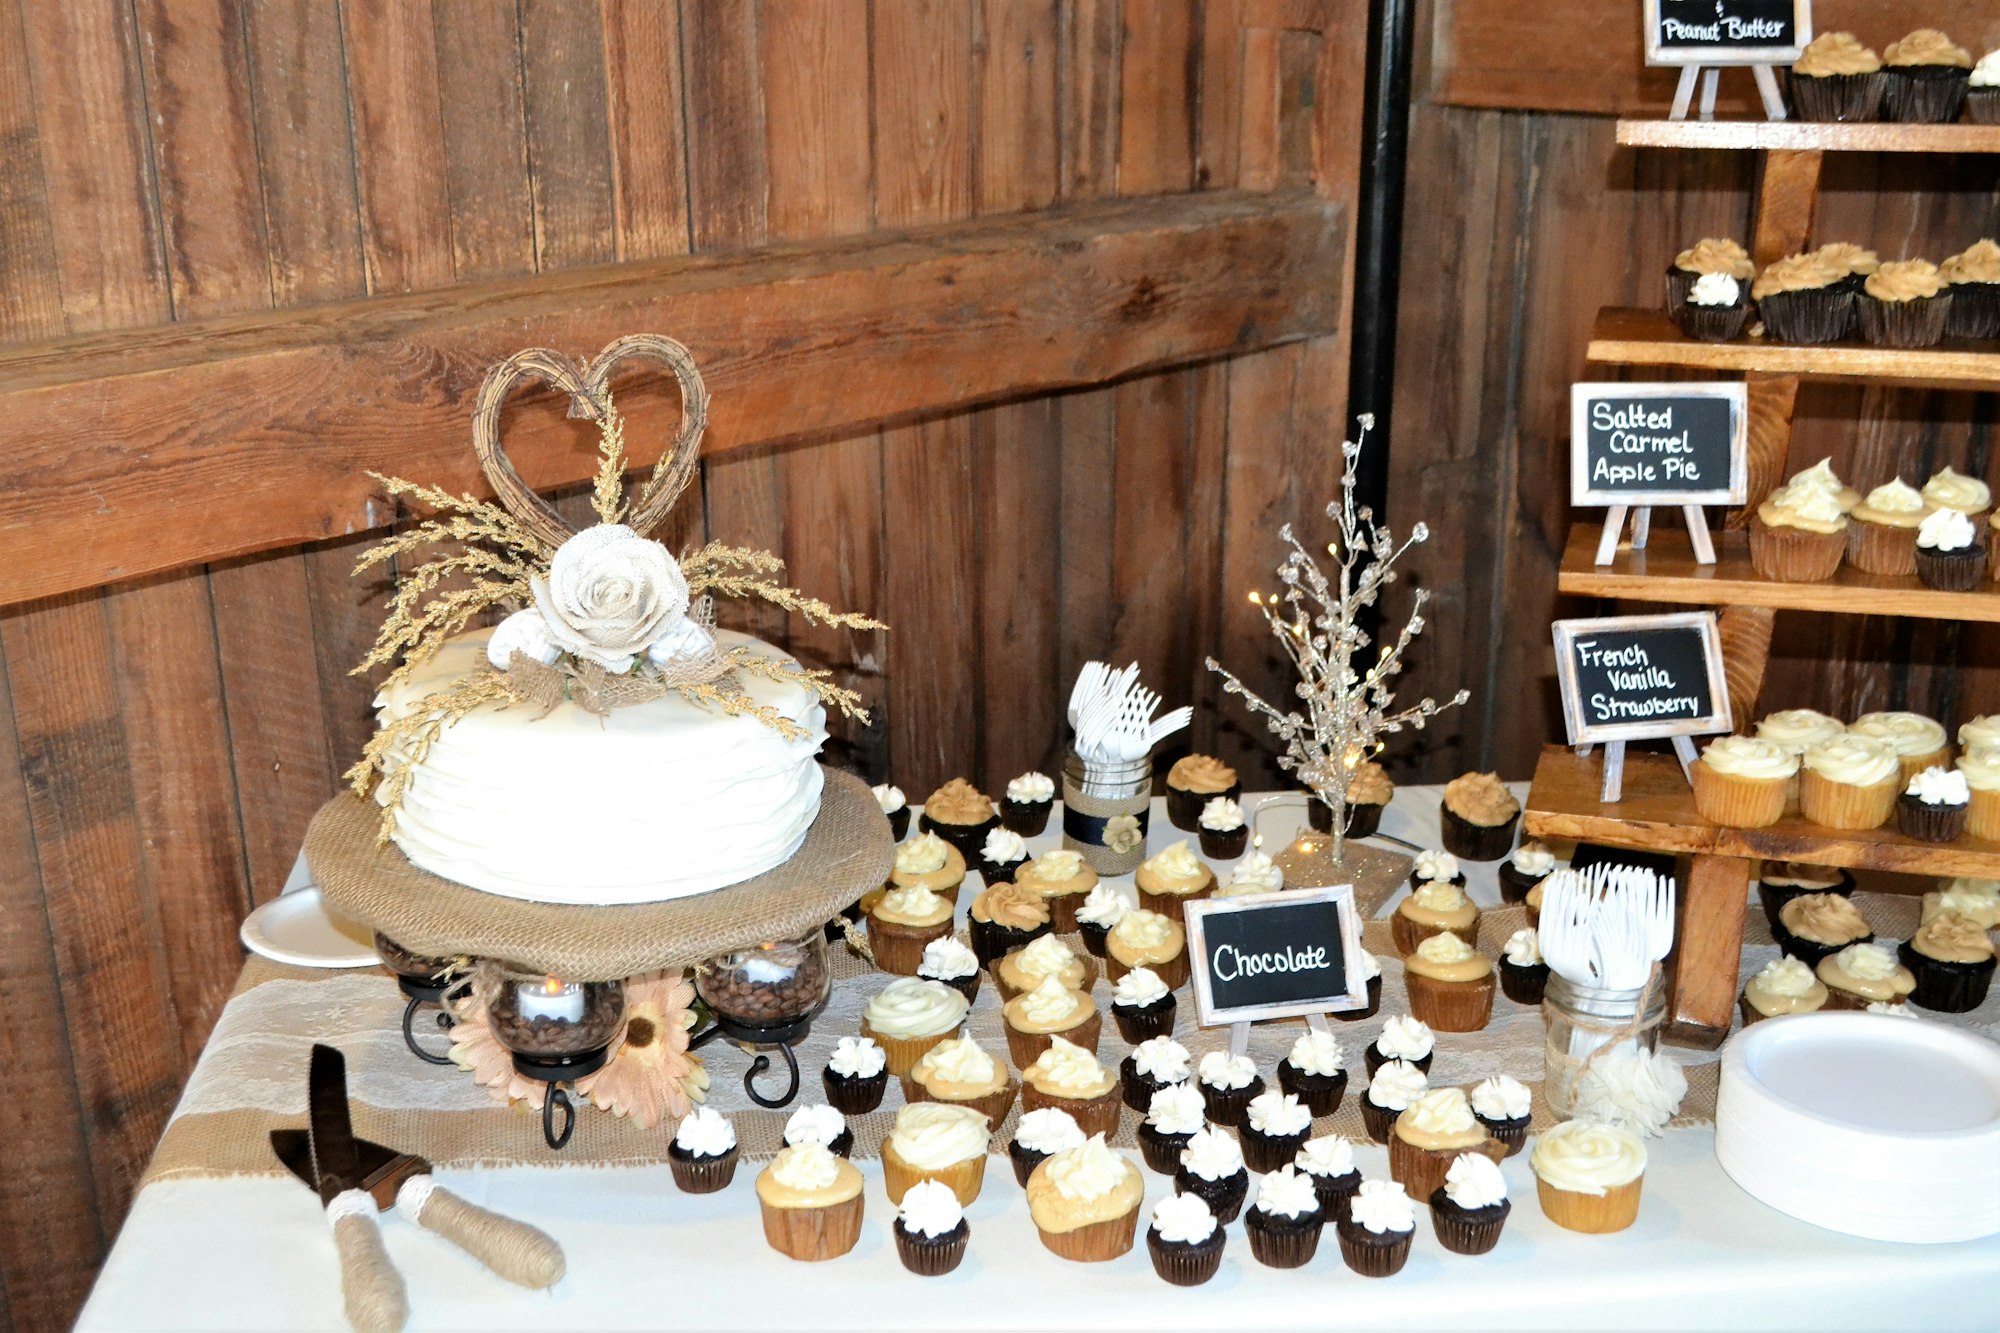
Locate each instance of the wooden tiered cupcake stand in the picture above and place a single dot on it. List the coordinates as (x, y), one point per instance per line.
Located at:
(1656, 810)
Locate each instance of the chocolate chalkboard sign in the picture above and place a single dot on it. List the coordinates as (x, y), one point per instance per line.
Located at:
(1726, 32)
(1275, 955)
(1658, 444)
(1629, 677)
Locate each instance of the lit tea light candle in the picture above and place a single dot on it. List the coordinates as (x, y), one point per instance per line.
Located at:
(549, 998)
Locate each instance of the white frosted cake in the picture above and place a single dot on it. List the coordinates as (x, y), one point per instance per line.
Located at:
(656, 801)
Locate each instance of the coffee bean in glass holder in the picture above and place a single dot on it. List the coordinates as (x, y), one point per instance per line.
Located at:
(769, 985)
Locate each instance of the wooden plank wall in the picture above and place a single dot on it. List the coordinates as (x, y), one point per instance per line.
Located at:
(162, 744)
(1520, 224)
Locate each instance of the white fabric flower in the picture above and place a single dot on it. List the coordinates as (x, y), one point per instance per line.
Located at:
(1121, 833)
(522, 632)
(684, 641)
(610, 595)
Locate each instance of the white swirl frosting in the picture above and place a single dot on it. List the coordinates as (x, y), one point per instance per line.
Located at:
(1397, 1084)
(1066, 1065)
(1048, 1130)
(1057, 865)
(1049, 1002)
(1221, 815)
(1176, 862)
(1524, 947)
(947, 959)
(930, 1208)
(1438, 895)
(815, 1124)
(959, 1060)
(1212, 1154)
(1532, 858)
(1982, 732)
(1440, 1112)
(1176, 1109)
(1381, 1206)
(1785, 977)
(705, 1132)
(1162, 1059)
(1183, 1219)
(1909, 733)
(1892, 1010)
(1003, 845)
(1473, 1181)
(1436, 865)
(1715, 289)
(1502, 1097)
(1286, 1193)
(1327, 1155)
(1986, 74)
(1866, 962)
(1317, 1052)
(1859, 761)
(1895, 496)
(1370, 969)
(1278, 1114)
(1088, 1171)
(914, 1007)
(1138, 988)
(1220, 1069)
(1406, 1038)
(1981, 768)
(1946, 530)
(889, 797)
(1255, 873)
(931, 1136)
(1750, 757)
(1142, 929)
(857, 1057)
(1103, 906)
(1046, 956)
(1955, 491)
(1799, 729)
(1940, 786)
(921, 855)
(1583, 1157)
(805, 1167)
(1031, 788)
(912, 902)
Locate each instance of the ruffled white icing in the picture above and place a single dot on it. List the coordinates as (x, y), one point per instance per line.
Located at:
(1750, 757)
(1532, 858)
(1003, 845)
(1440, 1111)
(1524, 947)
(1980, 733)
(1286, 1193)
(915, 1007)
(1142, 929)
(1940, 786)
(1183, 1219)
(1088, 1171)
(1986, 74)
(1867, 962)
(911, 902)
(1066, 1065)
(1715, 289)
(1952, 490)
(1895, 496)
(1048, 1131)
(1176, 1109)
(1049, 1002)
(1981, 768)
(1860, 761)
(960, 1060)
(1436, 865)
(815, 1124)
(1162, 1059)
(933, 1135)
(1406, 1038)
(1212, 1154)
(1799, 729)
(1176, 862)
(1220, 1069)
(1891, 1010)
(1583, 1157)
(1945, 530)
(921, 855)
(1138, 988)
(1221, 815)
(1975, 898)
(1785, 977)
(1057, 865)
(1369, 969)
(1909, 733)
(857, 1057)
(1031, 787)
(1438, 896)
(1045, 956)
(1381, 1206)
(1278, 1114)
(1501, 1097)
(1317, 1052)
(890, 798)
(930, 1208)
(1396, 1085)
(705, 1132)
(1327, 1155)
(1256, 873)
(946, 959)
(1444, 950)
(1103, 906)
(1473, 1181)
(805, 1167)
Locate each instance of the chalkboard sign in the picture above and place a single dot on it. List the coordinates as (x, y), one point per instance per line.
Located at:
(1726, 32)
(1628, 677)
(1658, 444)
(1275, 955)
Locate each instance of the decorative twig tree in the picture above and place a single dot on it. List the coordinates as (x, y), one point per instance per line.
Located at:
(1347, 710)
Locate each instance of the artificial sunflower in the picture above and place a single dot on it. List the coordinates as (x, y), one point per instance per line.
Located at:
(475, 1049)
(651, 1075)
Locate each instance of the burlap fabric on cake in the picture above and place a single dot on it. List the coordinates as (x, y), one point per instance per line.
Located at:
(847, 851)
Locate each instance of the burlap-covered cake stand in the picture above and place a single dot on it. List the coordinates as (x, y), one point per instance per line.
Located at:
(847, 851)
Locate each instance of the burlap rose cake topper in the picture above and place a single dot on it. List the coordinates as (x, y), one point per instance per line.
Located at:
(604, 617)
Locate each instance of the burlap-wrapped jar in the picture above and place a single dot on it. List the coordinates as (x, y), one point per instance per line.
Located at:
(1106, 809)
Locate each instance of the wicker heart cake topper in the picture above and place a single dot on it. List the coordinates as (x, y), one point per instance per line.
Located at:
(604, 617)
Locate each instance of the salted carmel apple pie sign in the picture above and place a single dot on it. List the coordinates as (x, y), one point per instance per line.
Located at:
(1275, 955)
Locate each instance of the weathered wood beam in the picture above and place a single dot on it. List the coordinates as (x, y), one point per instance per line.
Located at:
(149, 450)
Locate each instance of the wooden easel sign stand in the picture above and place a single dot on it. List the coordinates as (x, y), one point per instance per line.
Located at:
(1627, 678)
(1704, 36)
(1291, 954)
(1637, 446)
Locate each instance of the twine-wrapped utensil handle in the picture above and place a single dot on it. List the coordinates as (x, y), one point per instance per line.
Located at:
(371, 1289)
(516, 1251)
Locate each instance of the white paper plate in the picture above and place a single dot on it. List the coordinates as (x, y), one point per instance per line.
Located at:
(1875, 1126)
(296, 928)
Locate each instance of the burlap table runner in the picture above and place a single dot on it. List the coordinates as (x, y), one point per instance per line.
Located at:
(847, 851)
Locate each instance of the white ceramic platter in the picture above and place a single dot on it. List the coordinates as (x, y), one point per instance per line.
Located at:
(1872, 1125)
(296, 928)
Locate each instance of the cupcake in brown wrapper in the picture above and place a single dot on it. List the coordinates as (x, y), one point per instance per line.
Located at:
(701, 1175)
(1961, 570)
(1881, 548)
(811, 1203)
(1907, 324)
(1099, 1215)
(1709, 255)
(1373, 1254)
(1925, 93)
(931, 1256)
(1982, 106)
(1093, 1115)
(1930, 822)
(1714, 323)
(813, 1234)
(903, 1052)
(899, 946)
(1321, 1093)
(1795, 555)
(1467, 1230)
(1193, 782)
(1186, 1264)
(1975, 306)
(1836, 78)
(1137, 1023)
(1096, 1243)
(993, 1105)
(1283, 1242)
(1448, 1005)
(1849, 782)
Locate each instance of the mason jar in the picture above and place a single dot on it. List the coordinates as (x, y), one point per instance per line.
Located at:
(1105, 811)
(1582, 1020)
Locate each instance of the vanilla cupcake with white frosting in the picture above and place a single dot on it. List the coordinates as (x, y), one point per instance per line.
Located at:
(1918, 741)
(1850, 782)
(1981, 768)
(936, 1141)
(1741, 781)
(1589, 1176)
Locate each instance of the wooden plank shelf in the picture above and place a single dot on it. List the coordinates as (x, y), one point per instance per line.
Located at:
(1666, 571)
(1656, 813)
(1805, 136)
(1625, 337)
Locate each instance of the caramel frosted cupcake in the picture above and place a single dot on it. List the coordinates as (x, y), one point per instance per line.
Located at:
(1450, 984)
(1850, 782)
(1147, 939)
(1905, 303)
(1863, 974)
(1589, 1176)
(959, 1073)
(1952, 962)
(1025, 807)
(1085, 1202)
(909, 1016)
(1433, 908)
(1006, 917)
(936, 1141)
(1799, 534)
(811, 1203)
(1429, 1134)
(1066, 1077)
(1369, 792)
(1784, 986)
(1064, 880)
(1709, 255)
(902, 923)
(1850, 261)
(1171, 878)
(1926, 76)
(1223, 832)
(1741, 781)
(1803, 299)
(1820, 925)
(1953, 490)
(1837, 78)
(1391, 1089)
(1950, 555)
(1882, 532)
(1045, 957)
(1977, 900)
(1934, 805)
(1982, 779)
(961, 814)
(1974, 272)
(1051, 1009)
(1193, 782)
(1919, 742)
(930, 861)
(1716, 309)
(1478, 817)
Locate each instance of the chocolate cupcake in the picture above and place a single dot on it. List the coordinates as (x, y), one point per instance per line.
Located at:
(895, 808)
(1025, 806)
(1710, 255)
(1530, 864)
(1803, 300)
(1175, 1113)
(961, 814)
(703, 1152)
(1285, 1221)
(1523, 974)
(1001, 855)
(1503, 1105)
(1142, 1006)
(1818, 926)
(1185, 1240)
(1227, 1084)
(931, 1230)
(1471, 1207)
(1836, 78)
(1952, 960)
(1716, 310)
(949, 961)
(1276, 1126)
(1101, 909)
(1039, 1135)
(1391, 1089)
(1402, 1038)
(1782, 881)
(1368, 794)
(1974, 273)
(1933, 808)
(1376, 1233)
(1982, 96)
(1003, 918)
(1211, 1167)
(1314, 1072)
(856, 1076)
(1223, 832)
(1192, 783)
(1478, 817)
(1372, 980)
(1950, 555)
(1328, 1162)
(1906, 303)
(1851, 264)
(1927, 77)
(1156, 1063)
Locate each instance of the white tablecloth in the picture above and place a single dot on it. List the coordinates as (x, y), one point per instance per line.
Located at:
(254, 1253)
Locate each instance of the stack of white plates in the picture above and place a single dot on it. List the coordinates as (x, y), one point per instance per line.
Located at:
(1864, 1123)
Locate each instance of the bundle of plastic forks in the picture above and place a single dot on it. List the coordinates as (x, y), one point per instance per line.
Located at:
(1605, 927)
(1112, 714)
